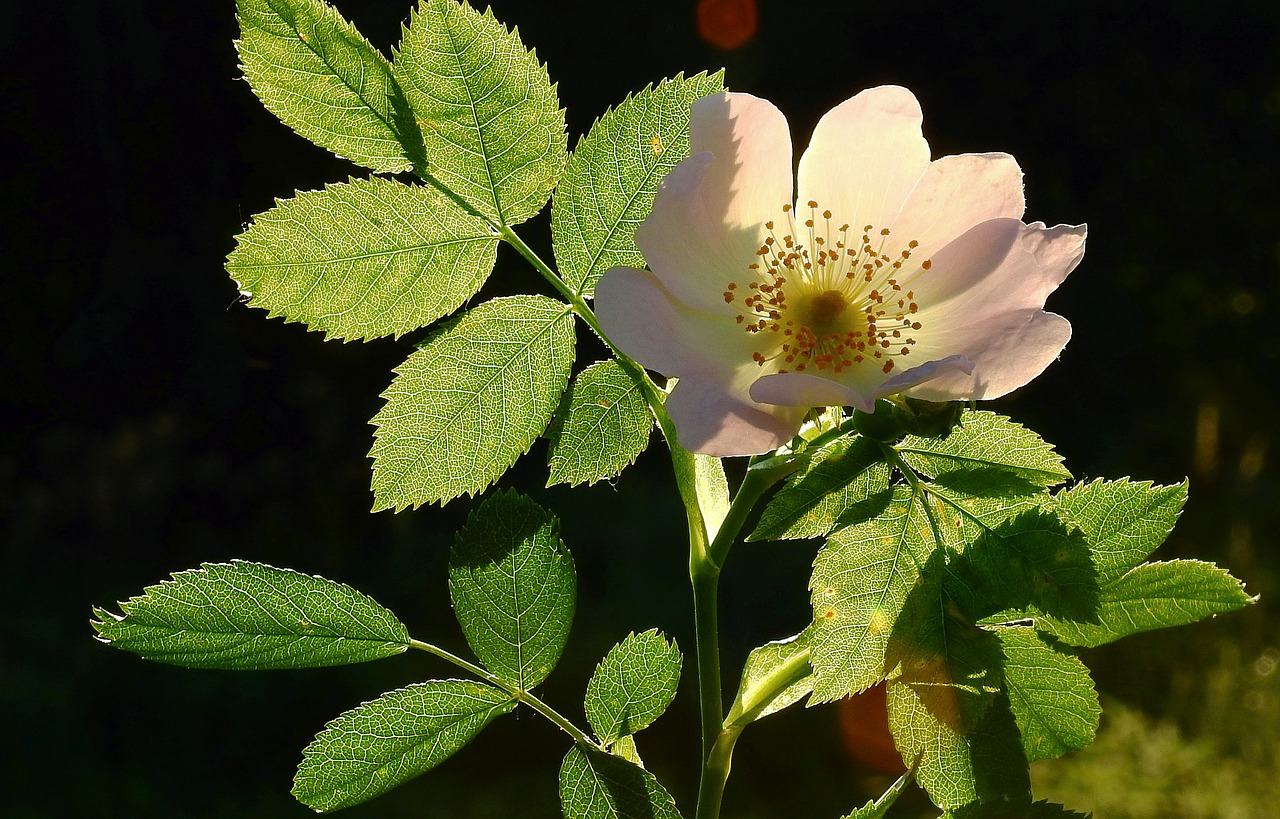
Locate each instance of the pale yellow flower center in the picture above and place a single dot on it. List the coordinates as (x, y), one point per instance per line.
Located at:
(815, 300)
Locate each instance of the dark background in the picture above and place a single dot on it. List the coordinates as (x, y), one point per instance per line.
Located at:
(153, 422)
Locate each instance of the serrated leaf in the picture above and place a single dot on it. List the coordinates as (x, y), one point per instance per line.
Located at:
(876, 809)
(784, 662)
(242, 615)
(596, 785)
(958, 763)
(1124, 521)
(1014, 810)
(492, 128)
(466, 405)
(513, 588)
(603, 429)
(632, 685)
(625, 747)
(314, 71)
(986, 440)
(1152, 596)
(376, 746)
(610, 182)
(846, 482)
(1051, 694)
(860, 582)
(372, 257)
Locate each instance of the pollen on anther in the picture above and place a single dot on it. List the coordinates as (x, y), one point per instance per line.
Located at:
(926, 264)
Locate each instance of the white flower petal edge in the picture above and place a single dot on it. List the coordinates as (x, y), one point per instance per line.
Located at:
(890, 274)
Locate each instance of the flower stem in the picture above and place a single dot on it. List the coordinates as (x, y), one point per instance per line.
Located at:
(517, 693)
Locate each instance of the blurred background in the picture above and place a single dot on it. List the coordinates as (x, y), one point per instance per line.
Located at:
(154, 422)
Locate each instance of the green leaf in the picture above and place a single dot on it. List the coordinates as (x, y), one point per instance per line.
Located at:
(877, 808)
(376, 746)
(860, 582)
(609, 185)
(958, 761)
(596, 785)
(712, 488)
(1152, 596)
(466, 405)
(986, 440)
(314, 71)
(782, 663)
(846, 482)
(1014, 810)
(242, 615)
(603, 429)
(513, 588)
(1051, 694)
(372, 257)
(625, 747)
(492, 128)
(1124, 521)
(632, 685)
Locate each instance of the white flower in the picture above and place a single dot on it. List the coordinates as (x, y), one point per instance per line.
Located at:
(888, 273)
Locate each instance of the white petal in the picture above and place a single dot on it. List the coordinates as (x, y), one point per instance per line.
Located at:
(708, 215)
(805, 389)
(642, 318)
(1007, 351)
(954, 194)
(713, 418)
(997, 266)
(865, 157)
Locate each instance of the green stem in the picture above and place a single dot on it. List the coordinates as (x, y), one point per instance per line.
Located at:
(518, 694)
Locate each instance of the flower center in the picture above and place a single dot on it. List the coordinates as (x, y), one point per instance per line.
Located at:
(818, 298)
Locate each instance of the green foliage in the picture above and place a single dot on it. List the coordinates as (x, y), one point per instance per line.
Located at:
(371, 257)
(471, 401)
(596, 785)
(632, 685)
(314, 71)
(381, 744)
(990, 441)
(876, 809)
(1050, 692)
(491, 125)
(513, 588)
(1152, 596)
(243, 615)
(760, 678)
(845, 482)
(1014, 810)
(1124, 521)
(602, 429)
(609, 185)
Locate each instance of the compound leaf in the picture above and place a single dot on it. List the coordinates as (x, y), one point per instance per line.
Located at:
(372, 257)
(314, 71)
(603, 429)
(243, 615)
(471, 401)
(596, 785)
(513, 588)
(384, 743)
(609, 184)
(1124, 521)
(1050, 692)
(632, 685)
(492, 128)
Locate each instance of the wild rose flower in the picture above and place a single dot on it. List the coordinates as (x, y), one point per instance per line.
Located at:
(886, 274)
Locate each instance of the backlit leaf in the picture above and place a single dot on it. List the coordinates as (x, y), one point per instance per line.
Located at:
(609, 184)
(372, 257)
(1051, 694)
(603, 429)
(492, 128)
(1124, 521)
(596, 785)
(986, 440)
(314, 71)
(632, 685)
(471, 401)
(381, 744)
(243, 615)
(513, 588)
